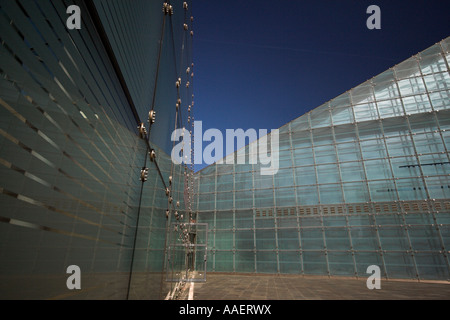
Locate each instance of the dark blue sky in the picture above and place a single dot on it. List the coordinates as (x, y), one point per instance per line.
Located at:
(260, 64)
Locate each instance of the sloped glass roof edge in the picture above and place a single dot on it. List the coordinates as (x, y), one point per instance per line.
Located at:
(379, 76)
(445, 45)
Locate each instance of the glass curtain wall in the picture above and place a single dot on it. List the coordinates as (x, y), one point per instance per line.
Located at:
(364, 179)
(72, 153)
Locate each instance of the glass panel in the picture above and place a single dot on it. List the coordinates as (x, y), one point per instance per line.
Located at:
(355, 192)
(207, 184)
(341, 263)
(424, 238)
(243, 199)
(342, 115)
(430, 142)
(408, 68)
(245, 261)
(303, 157)
(328, 173)
(262, 181)
(265, 239)
(446, 138)
(345, 133)
(438, 187)
(284, 141)
(330, 194)
(334, 221)
(312, 238)
(300, 124)
(443, 118)
(337, 238)
(411, 189)
(386, 90)
(400, 265)
(370, 130)
(366, 259)
(244, 219)
(206, 201)
(364, 238)
(310, 222)
(285, 197)
(305, 175)
(416, 104)
(307, 196)
(438, 81)
(224, 200)
(284, 159)
(395, 127)
(284, 178)
(434, 164)
(264, 198)
(373, 149)
(223, 239)
(440, 100)
(390, 108)
(322, 136)
(400, 146)
(225, 182)
(366, 111)
(348, 152)
(325, 154)
(288, 239)
(320, 117)
(445, 44)
(224, 220)
(289, 262)
(386, 76)
(243, 181)
(314, 262)
(265, 219)
(207, 217)
(244, 240)
(382, 191)
(301, 139)
(362, 93)
(341, 101)
(433, 64)
(393, 238)
(411, 86)
(403, 167)
(223, 260)
(431, 266)
(431, 51)
(352, 171)
(266, 262)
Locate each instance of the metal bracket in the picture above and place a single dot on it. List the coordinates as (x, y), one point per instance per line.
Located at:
(144, 174)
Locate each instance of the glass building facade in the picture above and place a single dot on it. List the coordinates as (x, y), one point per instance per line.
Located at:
(86, 176)
(81, 182)
(363, 179)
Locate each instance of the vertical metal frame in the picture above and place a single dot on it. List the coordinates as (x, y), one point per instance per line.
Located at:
(184, 272)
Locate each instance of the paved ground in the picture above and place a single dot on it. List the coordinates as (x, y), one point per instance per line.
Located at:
(219, 286)
(286, 287)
